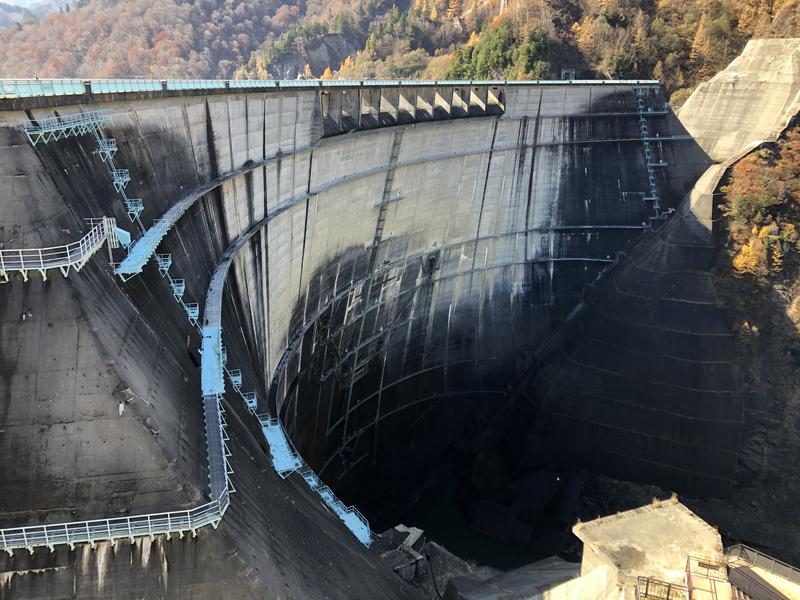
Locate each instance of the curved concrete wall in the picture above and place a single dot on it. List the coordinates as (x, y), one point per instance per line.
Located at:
(481, 257)
(402, 287)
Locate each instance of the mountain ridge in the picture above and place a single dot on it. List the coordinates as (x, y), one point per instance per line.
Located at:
(680, 42)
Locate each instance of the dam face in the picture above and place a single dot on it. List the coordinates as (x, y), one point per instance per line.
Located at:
(390, 307)
(424, 310)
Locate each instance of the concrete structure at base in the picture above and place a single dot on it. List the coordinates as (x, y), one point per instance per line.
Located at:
(662, 551)
(395, 290)
(666, 552)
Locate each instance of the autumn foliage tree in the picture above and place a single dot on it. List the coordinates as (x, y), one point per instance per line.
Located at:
(763, 201)
(139, 38)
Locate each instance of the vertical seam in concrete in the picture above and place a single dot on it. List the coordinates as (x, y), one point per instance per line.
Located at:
(378, 401)
(266, 284)
(191, 141)
(485, 185)
(212, 147)
(530, 177)
(247, 125)
(296, 113)
(478, 231)
(305, 229)
(447, 344)
(264, 137)
(153, 169)
(266, 287)
(230, 131)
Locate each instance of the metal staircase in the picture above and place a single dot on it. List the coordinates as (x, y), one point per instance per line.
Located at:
(57, 128)
(75, 256)
(747, 583)
(764, 561)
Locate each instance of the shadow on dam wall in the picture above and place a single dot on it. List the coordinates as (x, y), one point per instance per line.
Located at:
(427, 377)
(417, 307)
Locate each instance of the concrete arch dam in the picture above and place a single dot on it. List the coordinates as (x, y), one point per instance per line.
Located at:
(398, 304)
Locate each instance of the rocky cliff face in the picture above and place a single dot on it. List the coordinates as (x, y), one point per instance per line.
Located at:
(329, 51)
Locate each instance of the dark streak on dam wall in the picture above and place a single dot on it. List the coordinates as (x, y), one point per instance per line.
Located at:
(426, 265)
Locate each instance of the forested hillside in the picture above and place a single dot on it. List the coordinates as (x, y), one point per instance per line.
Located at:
(143, 38)
(680, 42)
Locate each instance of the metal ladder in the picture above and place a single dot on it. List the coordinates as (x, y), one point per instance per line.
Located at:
(385, 198)
(648, 152)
